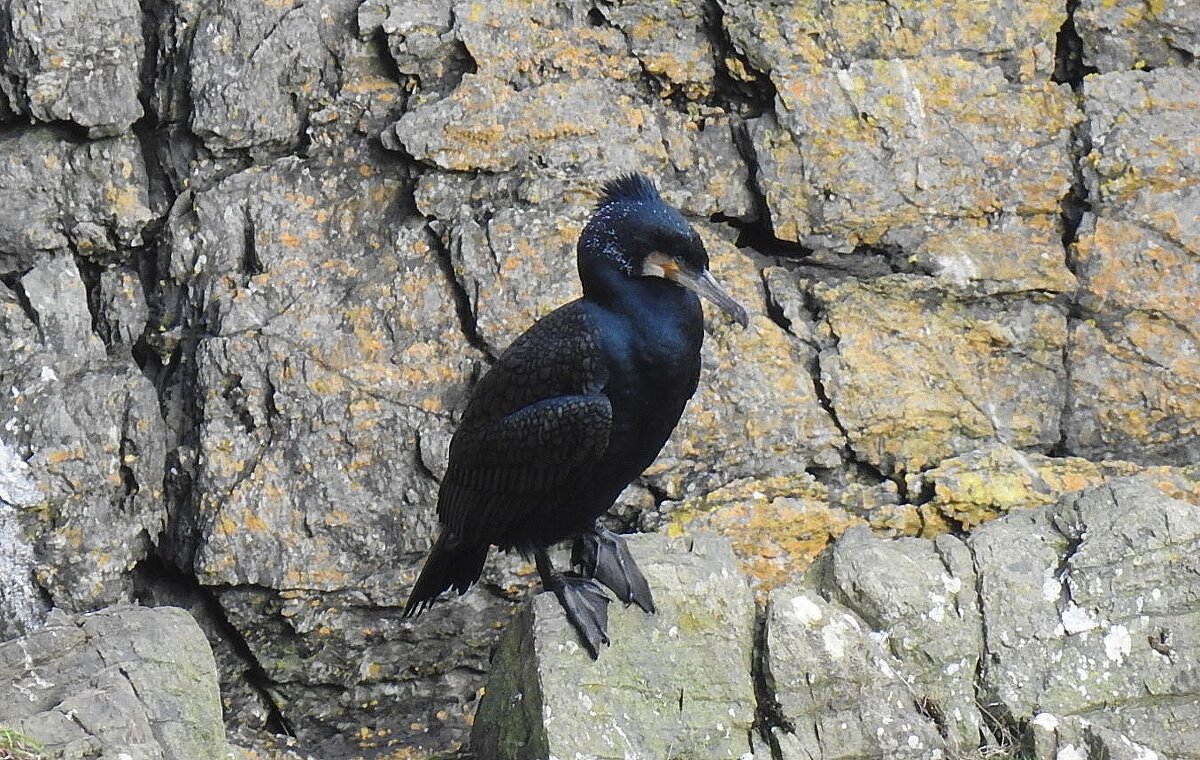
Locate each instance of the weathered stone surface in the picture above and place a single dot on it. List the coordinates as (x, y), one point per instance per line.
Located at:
(1119, 34)
(778, 525)
(90, 196)
(77, 61)
(672, 42)
(558, 98)
(673, 684)
(894, 152)
(918, 373)
(324, 305)
(1074, 737)
(923, 595)
(421, 41)
(123, 682)
(256, 70)
(1017, 35)
(838, 686)
(981, 485)
(311, 315)
(357, 679)
(89, 429)
(21, 606)
(1135, 379)
(265, 78)
(1086, 613)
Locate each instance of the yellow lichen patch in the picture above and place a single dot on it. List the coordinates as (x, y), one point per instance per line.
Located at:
(227, 526)
(983, 485)
(777, 525)
(252, 522)
(61, 454)
(125, 201)
(918, 376)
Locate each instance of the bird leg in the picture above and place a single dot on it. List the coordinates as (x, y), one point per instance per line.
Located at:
(603, 555)
(582, 599)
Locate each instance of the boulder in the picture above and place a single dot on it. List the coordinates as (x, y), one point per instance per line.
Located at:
(673, 684)
(123, 682)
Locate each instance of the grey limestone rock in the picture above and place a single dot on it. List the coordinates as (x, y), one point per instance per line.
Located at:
(89, 429)
(124, 682)
(1120, 34)
(673, 684)
(777, 36)
(21, 606)
(1135, 384)
(923, 594)
(90, 196)
(255, 71)
(77, 61)
(841, 693)
(1086, 613)
(1070, 619)
(889, 152)
(919, 370)
(325, 392)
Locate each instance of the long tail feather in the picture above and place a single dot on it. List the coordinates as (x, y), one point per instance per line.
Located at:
(450, 565)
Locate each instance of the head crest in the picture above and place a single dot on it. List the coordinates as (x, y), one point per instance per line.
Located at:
(629, 187)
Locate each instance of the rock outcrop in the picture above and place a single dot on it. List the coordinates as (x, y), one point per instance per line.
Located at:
(1065, 628)
(125, 682)
(252, 256)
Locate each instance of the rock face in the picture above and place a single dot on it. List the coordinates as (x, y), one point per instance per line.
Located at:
(253, 256)
(124, 682)
(1061, 622)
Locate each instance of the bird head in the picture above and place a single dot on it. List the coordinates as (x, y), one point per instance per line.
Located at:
(633, 233)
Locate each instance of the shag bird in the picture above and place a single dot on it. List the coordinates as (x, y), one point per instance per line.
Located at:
(576, 408)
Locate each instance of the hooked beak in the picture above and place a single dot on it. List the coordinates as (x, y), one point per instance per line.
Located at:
(702, 283)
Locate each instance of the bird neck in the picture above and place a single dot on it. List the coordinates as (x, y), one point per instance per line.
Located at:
(648, 300)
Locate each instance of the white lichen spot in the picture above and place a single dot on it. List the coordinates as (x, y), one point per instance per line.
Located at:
(937, 613)
(833, 642)
(958, 269)
(1070, 752)
(951, 584)
(1138, 752)
(1117, 643)
(49, 375)
(1051, 587)
(886, 669)
(1076, 619)
(1046, 721)
(806, 610)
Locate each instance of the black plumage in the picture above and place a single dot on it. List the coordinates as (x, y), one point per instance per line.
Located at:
(576, 408)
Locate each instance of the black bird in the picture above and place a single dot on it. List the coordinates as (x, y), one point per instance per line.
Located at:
(576, 408)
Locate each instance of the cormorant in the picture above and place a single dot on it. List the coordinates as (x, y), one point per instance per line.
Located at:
(576, 408)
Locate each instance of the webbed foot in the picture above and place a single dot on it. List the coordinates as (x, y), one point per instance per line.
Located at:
(604, 555)
(583, 601)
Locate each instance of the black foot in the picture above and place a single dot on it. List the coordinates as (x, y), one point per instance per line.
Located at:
(582, 599)
(604, 556)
